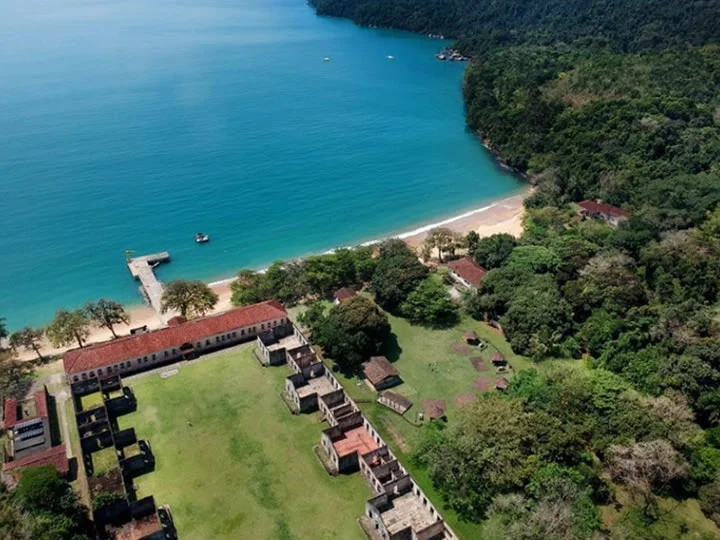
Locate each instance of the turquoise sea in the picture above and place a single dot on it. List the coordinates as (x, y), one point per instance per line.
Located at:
(133, 125)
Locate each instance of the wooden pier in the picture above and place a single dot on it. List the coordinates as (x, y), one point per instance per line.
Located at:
(142, 269)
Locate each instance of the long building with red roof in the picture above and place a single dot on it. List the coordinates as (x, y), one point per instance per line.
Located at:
(181, 340)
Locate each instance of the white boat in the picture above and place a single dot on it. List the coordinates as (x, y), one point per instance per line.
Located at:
(201, 238)
(326, 59)
(391, 57)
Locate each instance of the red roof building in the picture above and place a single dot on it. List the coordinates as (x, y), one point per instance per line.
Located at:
(606, 212)
(467, 271)
(55, 456)
(346, 293)
(132, 353)
(29, 409)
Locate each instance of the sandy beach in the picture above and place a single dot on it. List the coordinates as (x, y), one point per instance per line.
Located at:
(501, 216)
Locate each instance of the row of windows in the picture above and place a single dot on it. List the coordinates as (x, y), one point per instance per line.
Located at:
(144, 359)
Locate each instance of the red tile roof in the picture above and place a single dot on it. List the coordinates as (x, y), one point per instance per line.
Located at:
(468, 269)
(344, 293)
(11, 409)
(118, 350)
(55, 456)
(602, 208)
(434, 408)
(378, 369)
(355, 440)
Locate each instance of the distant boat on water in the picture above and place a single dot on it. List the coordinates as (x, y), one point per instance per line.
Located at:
(201, 238)
(326, 59)
(391, 57)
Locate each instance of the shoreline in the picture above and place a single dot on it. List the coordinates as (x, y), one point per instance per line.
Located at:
(502, 215)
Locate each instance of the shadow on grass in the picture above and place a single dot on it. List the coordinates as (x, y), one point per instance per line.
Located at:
(391, 348)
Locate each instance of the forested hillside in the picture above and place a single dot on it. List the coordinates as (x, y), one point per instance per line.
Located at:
(616, 100)
(629, 25)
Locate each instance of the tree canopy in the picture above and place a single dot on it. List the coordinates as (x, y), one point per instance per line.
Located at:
(107, 313)
(69, 327)
(190, 298)
(351, 332)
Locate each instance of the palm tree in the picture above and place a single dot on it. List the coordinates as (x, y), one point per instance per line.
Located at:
(190, 298)
(27, 338)
(107, 313)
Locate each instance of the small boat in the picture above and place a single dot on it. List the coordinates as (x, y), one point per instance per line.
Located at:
(326, 59)
(201, 238)
(390, 57)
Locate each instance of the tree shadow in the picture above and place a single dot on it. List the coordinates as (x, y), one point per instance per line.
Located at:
(55, 437)
(391, 348)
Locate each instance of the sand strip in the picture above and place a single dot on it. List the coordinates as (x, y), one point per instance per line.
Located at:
(502, 216)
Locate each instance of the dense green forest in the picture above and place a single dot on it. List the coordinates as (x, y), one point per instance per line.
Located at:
(619, 424)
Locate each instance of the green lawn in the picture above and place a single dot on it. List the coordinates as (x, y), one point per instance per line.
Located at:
(431, 368)
(91, 401)
(232, 462)
(104, 461)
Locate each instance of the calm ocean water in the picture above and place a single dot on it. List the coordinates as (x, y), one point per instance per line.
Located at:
(133, 125)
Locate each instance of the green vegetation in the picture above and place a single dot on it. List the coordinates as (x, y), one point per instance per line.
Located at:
(352, 331)
(190, 298)
(104, 461)
(232, 461)
(430, 304)
(316, 276)
(612, 100)
(28, 339)
(68, 328)
(42, 507)
(90, 401)
(107, 313)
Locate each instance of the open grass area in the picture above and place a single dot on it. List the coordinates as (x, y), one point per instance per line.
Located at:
(434, 364)
(91, 401)
(104, 461)
(232, 462)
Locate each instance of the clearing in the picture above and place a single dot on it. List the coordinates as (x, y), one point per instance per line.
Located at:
(232, 462)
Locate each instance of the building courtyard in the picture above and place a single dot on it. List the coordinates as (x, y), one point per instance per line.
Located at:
(232, 461)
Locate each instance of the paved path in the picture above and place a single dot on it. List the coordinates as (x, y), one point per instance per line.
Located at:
(60, 399)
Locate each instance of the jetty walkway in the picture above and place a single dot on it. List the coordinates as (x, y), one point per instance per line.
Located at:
(143, 269)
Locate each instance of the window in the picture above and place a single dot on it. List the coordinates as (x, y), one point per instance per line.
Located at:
(242, 332)
(153, 356)
(144, 358)
(75, 378)
(84, 376)
(99, 371)
(217, 340)
(166, 354)
(262, 326)
(199, 345)
(174, 351)
(207, 342)
(234, 334)
(222, 338)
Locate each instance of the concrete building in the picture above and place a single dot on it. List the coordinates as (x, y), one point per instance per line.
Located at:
(405, 514)
(467, 272)
(182, 340)
(347, 442)
(307, 392)
(380, 373)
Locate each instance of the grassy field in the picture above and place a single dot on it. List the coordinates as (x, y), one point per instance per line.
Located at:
(232, 462)
(432, 366)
